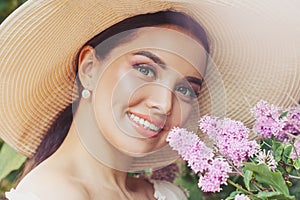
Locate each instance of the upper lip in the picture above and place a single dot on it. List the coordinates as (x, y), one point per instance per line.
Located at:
(157, 121)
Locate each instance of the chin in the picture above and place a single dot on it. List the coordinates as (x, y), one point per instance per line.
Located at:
(140, 150)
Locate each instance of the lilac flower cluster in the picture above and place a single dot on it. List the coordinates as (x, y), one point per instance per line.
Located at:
(213, 172)
(191, 149)
(267, 158)
(292, 122)
(271, 121)
(230, 137)
(215, 175)
(232, 146)
(241, 197)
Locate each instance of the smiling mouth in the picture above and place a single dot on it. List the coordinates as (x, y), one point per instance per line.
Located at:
(144, 123)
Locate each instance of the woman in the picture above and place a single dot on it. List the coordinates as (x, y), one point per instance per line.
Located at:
(90, 91)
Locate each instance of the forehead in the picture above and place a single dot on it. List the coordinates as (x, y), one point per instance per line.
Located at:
(163, 39)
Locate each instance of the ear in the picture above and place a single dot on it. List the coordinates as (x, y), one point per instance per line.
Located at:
(87, 70)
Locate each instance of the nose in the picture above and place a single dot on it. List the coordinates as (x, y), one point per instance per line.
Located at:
(160, 100)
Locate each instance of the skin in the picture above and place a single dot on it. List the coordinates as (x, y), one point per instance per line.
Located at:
(125, 81)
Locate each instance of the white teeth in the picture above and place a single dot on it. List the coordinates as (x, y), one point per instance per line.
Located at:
(141, 121)
(136, 119)
(144, 123)
(152, 127)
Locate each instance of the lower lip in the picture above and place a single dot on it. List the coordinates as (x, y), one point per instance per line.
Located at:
(145, 133)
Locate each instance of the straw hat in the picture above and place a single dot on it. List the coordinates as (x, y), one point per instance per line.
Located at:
(255, 49)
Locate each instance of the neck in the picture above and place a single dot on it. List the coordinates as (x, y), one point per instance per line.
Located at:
(86, 167)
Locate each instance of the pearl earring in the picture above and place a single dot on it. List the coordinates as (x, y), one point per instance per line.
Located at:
(85, 94)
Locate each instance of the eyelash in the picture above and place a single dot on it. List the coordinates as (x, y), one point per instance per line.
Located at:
(145, 69)
(193, 94)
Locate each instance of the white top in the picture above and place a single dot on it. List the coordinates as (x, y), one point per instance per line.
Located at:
(163, 190)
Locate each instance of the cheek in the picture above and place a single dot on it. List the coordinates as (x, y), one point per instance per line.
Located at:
(115, 91)
(181, 112)
(102, 103)
(114, 83)
(185, 112)
(103, 95)
(126, 88)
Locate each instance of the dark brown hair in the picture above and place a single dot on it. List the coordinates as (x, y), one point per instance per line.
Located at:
(59, 129)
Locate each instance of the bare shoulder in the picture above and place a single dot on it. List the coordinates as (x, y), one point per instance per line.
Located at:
(50, 184)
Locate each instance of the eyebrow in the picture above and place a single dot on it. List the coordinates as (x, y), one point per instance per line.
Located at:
(153, 57)
(162, 64)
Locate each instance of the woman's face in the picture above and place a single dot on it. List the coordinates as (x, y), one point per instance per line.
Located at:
(146, 86)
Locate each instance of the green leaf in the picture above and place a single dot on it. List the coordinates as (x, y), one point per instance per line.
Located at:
(247, 178)
(286, 153)
(277, 148)
(296, 163)
(284, 114)
(10, 160)
(263, 174)
(274, 195)
(8, 182)
(188, 181)
(266, 143)
(190, 185)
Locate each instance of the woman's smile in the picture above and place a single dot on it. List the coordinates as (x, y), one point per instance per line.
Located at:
(146, 125)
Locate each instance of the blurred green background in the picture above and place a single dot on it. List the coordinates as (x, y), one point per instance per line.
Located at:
(7, 6)
(10, 161)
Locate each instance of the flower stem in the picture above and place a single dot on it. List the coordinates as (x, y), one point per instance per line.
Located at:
(294, 177)
(242, 189)
(234, 167)
(294, 149)
(265, 143)
(291, 135)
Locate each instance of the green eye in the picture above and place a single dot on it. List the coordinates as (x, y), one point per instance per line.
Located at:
(145, 70)
(187, 91)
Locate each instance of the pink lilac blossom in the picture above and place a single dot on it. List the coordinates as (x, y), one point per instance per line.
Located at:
(190, 148)
(208, 125)
(295, 155)
(268, 122)
(241, 197)
(215, 176)
(267, 158)
(230, 137)
(292, 125)
(212, 171)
